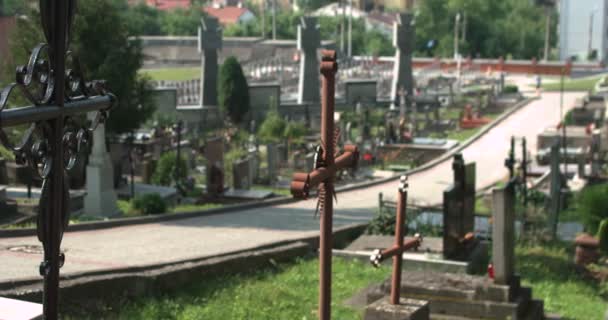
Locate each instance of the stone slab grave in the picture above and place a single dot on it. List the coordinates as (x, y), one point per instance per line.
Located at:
(168, 193)
(408, 309)
(11, 309)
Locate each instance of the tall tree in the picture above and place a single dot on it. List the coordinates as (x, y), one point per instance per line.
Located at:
(233, 91)
(101, 42)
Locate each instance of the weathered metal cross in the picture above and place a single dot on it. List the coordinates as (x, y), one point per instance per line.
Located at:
(58, 93)
(397, 250)
(326, 167)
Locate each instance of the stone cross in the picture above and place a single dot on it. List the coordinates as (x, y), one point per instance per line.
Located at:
(510, 161)
(327, 166)
(209, 42)
(503, 233)
(396, 251)
(309, 40)
(101, 198)
(403, 41)
(458, 209)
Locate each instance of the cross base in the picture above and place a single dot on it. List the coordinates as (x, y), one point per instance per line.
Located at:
(407, 309)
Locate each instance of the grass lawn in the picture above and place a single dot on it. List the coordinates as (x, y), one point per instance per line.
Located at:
(549, 270)
(173, 74)
(288, 291)
(580, 84)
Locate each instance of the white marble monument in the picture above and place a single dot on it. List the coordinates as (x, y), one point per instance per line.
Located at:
(101, 197)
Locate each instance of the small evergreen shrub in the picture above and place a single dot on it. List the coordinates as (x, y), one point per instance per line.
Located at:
(511, 89)
(593, 206)
(151, 203)
(164, 174)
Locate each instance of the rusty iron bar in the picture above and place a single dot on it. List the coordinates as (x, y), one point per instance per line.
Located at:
(329, 67)
(379, 255)
(399, 233)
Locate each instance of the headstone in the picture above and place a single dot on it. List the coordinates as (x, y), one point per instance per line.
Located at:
(458, 209)
(254, 165)
(595, 153)
(271, 159)
(555, 188)
(101, 197)
(209, 42)
(241, 174)
(309, 40)
(503, 233)
(3, 172)
(403, 41)
(148, 166)
(214, 153)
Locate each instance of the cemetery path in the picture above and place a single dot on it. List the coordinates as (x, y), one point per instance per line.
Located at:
(170, 241)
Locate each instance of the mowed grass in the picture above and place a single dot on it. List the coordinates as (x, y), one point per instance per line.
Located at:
(288, 291)
(173, 74)
(580, 84)
(550, 271)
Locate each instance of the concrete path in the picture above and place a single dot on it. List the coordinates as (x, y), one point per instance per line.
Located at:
(205, 236)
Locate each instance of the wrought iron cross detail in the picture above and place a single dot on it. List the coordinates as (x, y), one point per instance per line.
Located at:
(327, 164)
(52, 82)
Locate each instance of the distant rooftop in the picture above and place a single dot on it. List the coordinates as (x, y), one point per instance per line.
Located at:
(169, 4)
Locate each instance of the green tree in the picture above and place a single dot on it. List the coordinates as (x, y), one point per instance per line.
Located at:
(233, 91)
(165, 172)
(101, 42)
(180, 22)
(143, 20)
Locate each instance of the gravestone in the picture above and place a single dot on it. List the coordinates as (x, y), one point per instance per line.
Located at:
(214, 153)
(309, 40)
(209, 42)
(459, 209)
(241, 174)
(271, 159)
(595, 153)
(3, 172)
(555, 189)
(403, 41)
(101, 197)
(503, 233)
(254, 165)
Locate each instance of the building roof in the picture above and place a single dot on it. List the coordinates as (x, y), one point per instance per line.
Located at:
(226, 15)
(169, 4)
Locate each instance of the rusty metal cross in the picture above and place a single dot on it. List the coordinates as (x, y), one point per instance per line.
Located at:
(326, 167)
(400, 246)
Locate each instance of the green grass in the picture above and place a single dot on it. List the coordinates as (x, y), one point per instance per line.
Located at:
(173, 74)
(580, 84)
(195, 207)
(549, 270)
(287, 291)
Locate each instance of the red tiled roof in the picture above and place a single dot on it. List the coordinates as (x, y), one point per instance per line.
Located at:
(169, 4)
(226, 15)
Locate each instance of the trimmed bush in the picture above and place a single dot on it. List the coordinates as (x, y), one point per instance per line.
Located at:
(233, 91)
(151, 203)
(593, 206)
(164, 174)
(511, 89)
(602, 234)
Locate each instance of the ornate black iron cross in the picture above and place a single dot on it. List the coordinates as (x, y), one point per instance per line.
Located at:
(53, 83)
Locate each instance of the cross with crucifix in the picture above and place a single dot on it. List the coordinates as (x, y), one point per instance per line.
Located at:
(397, 250)
(327, 165)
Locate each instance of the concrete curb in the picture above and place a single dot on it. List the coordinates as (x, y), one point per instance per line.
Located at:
(97, 225)
(139, 280)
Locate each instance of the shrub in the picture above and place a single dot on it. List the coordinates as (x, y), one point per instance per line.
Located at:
(272, 129)
(151, 203)
(511, 89)
(233, 91)
(6, 154)
(164, 174)
(593, 206)
(602, 234)
(382, 224)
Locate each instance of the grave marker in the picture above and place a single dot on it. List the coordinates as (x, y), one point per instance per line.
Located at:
(458, 209)
(326, 167)
(309, 40)
(209, 42)
(503, 233)
(214, 152)
(241, 174)
(403, 41)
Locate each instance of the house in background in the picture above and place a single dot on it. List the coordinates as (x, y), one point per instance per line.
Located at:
(169, 4)
(229, 15)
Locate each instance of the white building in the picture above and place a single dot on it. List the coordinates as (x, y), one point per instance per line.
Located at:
(583, 23)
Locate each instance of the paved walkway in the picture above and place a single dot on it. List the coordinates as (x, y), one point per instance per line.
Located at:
(205, 236)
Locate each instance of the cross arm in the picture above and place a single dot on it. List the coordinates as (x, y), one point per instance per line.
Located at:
(25, 115)
(380, 255)
(303, 182)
